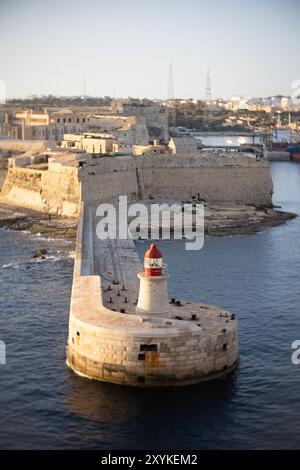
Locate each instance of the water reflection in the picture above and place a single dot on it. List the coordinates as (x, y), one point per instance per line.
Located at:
(144, 410)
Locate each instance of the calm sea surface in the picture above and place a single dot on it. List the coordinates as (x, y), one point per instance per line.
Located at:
(45, 405)
(228, 140)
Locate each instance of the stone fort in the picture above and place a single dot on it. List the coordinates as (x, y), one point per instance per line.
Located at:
(61, 187)
(111, 339)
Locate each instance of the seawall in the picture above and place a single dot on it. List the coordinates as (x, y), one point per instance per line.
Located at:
(278, 156)
(3, 171)
(217, 179)
(53, 191)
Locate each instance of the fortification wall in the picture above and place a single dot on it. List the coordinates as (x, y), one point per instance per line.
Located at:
(106, 181)
(3, 170)
(156, 119)
(229, 180)
(3, 175)
(278, 156)
(55, 192)
(237, 180)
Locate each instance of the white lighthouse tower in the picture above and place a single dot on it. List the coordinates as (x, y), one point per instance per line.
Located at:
(153, 295)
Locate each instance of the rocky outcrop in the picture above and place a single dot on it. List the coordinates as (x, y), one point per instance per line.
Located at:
(40, 253)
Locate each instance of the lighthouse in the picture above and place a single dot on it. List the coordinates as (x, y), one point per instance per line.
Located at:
(153, 295)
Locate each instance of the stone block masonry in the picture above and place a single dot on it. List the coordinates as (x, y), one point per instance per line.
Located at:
(192, 343)
(54, 191)
(217, 179)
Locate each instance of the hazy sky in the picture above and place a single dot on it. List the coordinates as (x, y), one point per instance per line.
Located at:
(125, 46)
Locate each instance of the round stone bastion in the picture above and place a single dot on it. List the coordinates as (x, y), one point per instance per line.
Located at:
(194, 343)
(113, 338)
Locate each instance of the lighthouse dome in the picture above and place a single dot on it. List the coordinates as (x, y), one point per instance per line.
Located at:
(153, 261)
(153, 252)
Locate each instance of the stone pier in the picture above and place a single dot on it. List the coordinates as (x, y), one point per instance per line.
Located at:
(109, 341)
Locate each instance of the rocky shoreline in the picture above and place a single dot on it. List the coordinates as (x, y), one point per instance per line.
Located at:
(242, 220)
(219, 221)
(20, 218)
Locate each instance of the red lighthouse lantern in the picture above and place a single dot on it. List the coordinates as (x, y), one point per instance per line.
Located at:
(153, 262)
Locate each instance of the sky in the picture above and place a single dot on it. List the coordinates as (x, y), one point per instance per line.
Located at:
(124, 47)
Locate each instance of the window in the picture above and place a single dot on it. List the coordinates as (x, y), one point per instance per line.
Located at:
(64, 120)
(78, 334)
(83, 119)
(70, 120)
(225, 347)
(58, 121)
(148, 347)
(153, 262)
(77, 119)
(141, 357)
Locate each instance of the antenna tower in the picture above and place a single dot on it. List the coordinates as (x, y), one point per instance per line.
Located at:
(208, 87)
(171, 99)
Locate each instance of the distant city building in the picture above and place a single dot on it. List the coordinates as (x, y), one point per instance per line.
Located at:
(54, 124)
(89, 142)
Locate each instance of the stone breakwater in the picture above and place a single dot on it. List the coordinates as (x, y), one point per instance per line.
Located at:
(109, 341)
